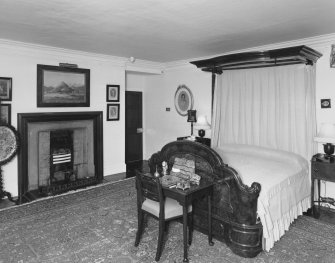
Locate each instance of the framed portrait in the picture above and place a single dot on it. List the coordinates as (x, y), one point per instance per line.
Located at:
(5, 113)
(62, 86)
(113, 93)
(113, 112)
(183, 100)
(5, 89)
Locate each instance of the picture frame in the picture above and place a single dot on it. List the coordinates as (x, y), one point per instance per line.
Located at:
(112, 93)
(332, 56)
(62, 86)
(5, 113)
(5, 89)
(183, 100)
(325, 103)
(113, 112)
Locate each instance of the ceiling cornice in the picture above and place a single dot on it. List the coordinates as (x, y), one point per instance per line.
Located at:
(29, 49)
(34, 50)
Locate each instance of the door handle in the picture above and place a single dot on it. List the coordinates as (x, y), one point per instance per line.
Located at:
(139, 130)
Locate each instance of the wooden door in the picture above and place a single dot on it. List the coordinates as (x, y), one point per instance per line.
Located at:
(134, 132)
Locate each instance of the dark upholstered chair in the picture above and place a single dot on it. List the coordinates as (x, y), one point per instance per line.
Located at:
(151, 201)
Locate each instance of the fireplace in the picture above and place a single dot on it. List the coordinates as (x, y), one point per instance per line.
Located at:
(59, 152)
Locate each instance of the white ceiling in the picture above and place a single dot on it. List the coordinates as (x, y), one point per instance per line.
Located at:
(164, 30)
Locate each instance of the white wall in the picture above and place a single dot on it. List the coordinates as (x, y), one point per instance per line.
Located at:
(325, 89)
(19, 62)
(163, 126)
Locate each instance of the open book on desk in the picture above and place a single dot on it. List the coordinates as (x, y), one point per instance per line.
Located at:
(182, 182)
(173, 181)
(170, 180)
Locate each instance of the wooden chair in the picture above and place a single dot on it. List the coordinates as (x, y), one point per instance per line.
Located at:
(151, 201)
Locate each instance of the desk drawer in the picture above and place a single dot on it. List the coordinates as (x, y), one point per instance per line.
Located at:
(323, 171)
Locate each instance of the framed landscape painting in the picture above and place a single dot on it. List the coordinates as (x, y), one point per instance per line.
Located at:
(62, 87)
(113, 112)
(5, 89)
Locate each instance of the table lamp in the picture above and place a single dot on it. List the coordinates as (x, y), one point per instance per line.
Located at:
(191, 117)
(202, 125)
(326, 135)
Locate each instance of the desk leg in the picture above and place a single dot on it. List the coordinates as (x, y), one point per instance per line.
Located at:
(209, 198)
(319, 195)
(312, 198)
(185, 231)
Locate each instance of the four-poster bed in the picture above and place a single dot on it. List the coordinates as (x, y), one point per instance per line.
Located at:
(294, 85)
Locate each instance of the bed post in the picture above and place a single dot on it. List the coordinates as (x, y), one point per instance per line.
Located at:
(213, 88)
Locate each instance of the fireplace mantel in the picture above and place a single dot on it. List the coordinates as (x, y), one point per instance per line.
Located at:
(60, 120)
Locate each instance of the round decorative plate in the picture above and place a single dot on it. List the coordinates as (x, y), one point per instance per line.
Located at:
(9, 143)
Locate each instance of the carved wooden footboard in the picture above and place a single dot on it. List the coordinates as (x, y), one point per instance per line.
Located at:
(234, 211)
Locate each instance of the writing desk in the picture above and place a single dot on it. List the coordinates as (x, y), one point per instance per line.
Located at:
(185, 198)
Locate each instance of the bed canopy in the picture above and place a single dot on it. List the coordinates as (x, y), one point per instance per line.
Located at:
(264, 98)
(257, 59)
(268, 58)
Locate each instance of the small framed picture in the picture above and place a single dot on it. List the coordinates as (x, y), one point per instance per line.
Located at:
(5, 113)
(113, 112)
(113, 93)
(5, 89)
(325, 103)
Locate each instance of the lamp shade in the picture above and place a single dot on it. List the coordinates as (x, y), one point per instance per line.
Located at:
(326, 133)
(191, 116)
(202, 123)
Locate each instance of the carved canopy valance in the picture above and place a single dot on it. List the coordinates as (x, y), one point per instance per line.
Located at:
(257, 59)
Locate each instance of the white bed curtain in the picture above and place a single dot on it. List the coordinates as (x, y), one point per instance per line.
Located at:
(272, 107)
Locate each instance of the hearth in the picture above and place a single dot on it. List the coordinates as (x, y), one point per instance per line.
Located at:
(60, 152)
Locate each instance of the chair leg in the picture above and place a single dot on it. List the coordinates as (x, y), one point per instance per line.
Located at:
(190, 228)
(140, 223)
(160, 239)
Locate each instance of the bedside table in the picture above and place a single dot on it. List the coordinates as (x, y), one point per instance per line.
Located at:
(322, 169)
(205, 141)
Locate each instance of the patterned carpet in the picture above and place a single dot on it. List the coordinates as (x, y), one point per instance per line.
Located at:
(99, 225)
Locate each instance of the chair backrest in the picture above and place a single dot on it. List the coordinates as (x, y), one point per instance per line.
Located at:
(150, 187)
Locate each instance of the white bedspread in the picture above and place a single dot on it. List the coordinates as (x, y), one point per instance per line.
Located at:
(285, 185)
